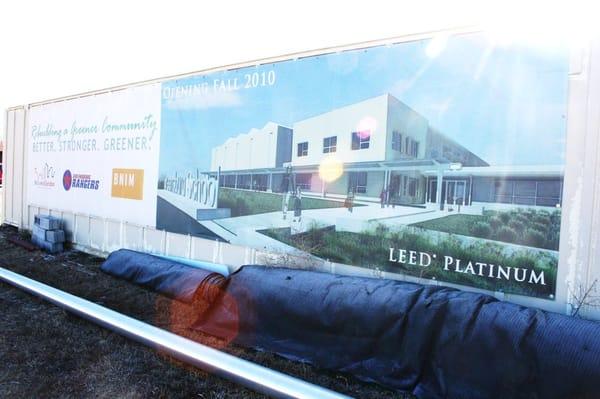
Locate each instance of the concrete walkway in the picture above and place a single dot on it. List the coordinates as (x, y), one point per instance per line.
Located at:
(242, 230)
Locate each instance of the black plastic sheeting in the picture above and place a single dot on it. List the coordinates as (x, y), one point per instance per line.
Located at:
(431, 341)
(170, 278)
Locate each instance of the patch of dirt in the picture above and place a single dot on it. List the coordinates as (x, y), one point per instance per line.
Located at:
(47, 352)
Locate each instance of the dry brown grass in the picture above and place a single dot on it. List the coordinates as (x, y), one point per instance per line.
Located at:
(47, 352)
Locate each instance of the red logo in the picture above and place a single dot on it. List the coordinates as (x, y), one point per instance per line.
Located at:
(67, 180)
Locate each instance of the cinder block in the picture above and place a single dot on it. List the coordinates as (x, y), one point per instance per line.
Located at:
(48, 246)
(38, 232)
(55, 236)
(47, 222)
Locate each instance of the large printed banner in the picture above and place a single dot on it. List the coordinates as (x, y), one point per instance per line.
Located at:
(97, 155)
(441, 159)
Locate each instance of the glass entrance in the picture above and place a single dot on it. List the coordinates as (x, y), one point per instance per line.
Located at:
(432, 192)
(455, 192)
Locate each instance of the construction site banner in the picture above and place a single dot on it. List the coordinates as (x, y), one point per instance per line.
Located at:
(439, 158)
(97, 155)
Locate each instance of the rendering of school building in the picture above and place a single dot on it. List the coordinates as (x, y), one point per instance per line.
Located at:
(379, 145)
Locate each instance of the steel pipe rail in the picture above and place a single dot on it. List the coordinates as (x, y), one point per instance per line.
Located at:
(253, 376)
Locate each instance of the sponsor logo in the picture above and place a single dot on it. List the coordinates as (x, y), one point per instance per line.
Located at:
(203, 189)
(128, 183)
(79, 181)
(67, 180)
(44, 176)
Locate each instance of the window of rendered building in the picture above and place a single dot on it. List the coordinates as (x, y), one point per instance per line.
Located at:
(329, 144)
(358, 181)
(303, 149)
(303, 180)
(397, 141)
(361, 140)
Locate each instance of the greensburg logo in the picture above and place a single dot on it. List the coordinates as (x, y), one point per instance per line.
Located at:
(44, 176)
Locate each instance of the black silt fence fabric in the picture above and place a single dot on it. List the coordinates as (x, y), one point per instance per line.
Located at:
(431, 341)
(173, 279)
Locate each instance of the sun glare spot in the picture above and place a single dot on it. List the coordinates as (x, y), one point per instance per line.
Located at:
(366, 126)
(330, 169)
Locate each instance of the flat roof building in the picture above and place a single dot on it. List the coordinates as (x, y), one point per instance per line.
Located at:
(383, 148)
(267, 147)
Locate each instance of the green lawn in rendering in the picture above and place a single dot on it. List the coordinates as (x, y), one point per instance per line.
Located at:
(532, 228)
(245, 202)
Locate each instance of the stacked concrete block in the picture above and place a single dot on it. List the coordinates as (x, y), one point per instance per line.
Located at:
(47, 233)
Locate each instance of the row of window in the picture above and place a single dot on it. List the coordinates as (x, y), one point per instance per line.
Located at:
(407, 185)
(404, 144)
(400, 185)
(357, 182)
(528, 192)
(360, 141)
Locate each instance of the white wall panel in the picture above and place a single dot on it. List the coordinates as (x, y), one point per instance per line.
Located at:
(178, 245)
(113, 232)
(580, 243)
(82, 230)
(14, 167)
(18, 167)
(97, 233)
(68, 219)
(154, 241)
(133, 237)
(8, 167)
(204, 249)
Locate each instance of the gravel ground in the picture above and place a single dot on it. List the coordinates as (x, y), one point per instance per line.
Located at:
(47, 352)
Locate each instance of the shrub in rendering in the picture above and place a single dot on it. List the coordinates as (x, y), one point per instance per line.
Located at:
(507, 226)
(506, 234)
(524, 261)
(542, 228)
(504, 217)
(523, 218)
(482, 229)
(381, 230)
(516, 225)
(495, 223)
(534, 238)
(543, 219)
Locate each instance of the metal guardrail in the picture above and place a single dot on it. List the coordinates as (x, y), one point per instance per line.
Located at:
(253, 376)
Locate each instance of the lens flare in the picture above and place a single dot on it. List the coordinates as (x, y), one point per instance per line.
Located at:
(570, 23)
(330, 169)
(436, 45)
(366, 126)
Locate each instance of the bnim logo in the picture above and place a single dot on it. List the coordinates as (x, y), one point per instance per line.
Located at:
(128, 183)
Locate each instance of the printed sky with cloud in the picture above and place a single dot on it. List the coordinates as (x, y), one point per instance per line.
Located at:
(505, 103)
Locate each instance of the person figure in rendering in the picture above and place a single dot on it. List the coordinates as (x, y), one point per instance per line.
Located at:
(383, 197)
(390, 200)
(298, 205)
(286, 187)
(349, 203)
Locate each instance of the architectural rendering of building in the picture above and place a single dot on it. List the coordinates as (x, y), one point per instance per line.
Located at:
(258, 150)
(381, 147)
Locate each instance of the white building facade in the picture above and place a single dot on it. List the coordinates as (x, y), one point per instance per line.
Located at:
(268, 147)
(383, 145)
(243, 160)
(384, 150)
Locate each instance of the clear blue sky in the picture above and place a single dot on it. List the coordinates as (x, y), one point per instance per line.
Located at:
(506, 104)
